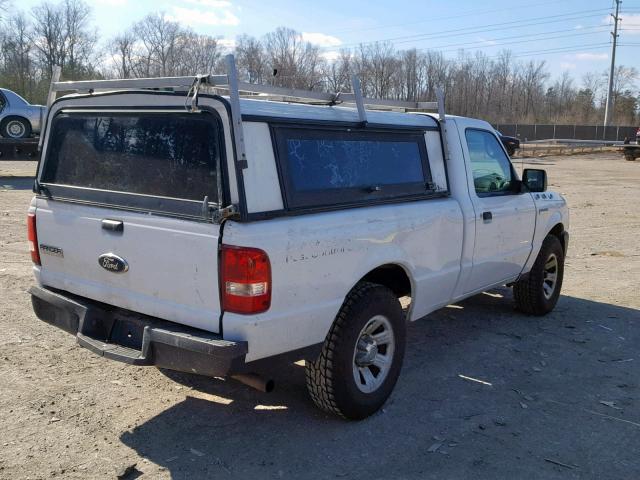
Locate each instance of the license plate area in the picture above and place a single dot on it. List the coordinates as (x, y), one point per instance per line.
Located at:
(127, 332)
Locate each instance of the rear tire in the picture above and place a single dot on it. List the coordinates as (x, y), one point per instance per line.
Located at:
(15, 127)
(362, 355)
(538, 292)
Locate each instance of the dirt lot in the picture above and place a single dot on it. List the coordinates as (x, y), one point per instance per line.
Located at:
(562, 399)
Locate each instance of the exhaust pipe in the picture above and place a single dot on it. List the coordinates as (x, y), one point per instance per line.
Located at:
(254, 380)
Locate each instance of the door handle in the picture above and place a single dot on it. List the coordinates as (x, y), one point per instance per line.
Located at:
(487, 216)
(113, 225)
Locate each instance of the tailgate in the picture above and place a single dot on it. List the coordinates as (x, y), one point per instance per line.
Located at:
(125, 211)
(171, 264)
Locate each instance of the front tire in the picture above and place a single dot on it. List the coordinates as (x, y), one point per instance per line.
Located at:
(362, 355)
(538, 292)
(15, 127)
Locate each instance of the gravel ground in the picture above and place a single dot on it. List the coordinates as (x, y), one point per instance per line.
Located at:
(561, 398)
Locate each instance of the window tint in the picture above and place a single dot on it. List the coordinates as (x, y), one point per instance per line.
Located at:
(491, 167)
(169, 155)
(325, 167)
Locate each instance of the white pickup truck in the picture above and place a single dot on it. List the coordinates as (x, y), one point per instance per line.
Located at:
(211, 234)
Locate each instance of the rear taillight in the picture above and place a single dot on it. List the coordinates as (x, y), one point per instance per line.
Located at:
(32, 235)
(245, 280)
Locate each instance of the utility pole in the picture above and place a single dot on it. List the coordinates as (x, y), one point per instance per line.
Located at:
(608, 105)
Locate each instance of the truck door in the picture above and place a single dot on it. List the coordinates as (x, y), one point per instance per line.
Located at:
(505, 217)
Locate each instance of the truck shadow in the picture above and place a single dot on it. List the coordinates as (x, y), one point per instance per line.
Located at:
(484, 391)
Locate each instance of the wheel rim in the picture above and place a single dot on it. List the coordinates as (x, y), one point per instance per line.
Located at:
(15, 129)
(550, 276)
(373, 354)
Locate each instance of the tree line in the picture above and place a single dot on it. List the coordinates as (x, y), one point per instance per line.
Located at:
(497, 88)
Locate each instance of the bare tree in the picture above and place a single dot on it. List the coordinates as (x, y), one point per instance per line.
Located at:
(62, 36)
(80, 40)
(199, 54)
(17, 64)
(122, 49)
(293, 62)
(49, 35)
(338, 73)
(251, 59)
(4, 8)
(160, 45)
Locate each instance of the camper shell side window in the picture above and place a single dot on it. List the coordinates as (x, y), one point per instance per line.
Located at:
(334, 166)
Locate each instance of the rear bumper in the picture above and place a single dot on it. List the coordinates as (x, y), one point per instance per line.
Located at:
(138, 339)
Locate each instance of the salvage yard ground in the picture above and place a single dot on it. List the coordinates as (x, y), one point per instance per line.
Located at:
(558, 397)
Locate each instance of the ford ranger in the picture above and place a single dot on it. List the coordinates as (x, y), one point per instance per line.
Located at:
(210, 233)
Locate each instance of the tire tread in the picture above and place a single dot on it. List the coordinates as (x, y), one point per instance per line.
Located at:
(526, 291)
(319, 373)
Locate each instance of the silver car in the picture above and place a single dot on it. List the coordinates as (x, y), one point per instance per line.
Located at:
(18, 119)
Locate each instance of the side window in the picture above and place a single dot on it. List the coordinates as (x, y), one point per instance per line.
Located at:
(492, 172)
(3, 102)
(323, 167)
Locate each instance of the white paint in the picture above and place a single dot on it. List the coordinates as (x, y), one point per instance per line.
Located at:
(442, 244)
(261, 183)
(172, 274)
(316, 259)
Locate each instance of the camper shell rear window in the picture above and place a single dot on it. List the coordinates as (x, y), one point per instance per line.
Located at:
(324, 167)
(131, 158)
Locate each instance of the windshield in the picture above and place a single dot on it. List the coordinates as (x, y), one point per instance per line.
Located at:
(172, 155)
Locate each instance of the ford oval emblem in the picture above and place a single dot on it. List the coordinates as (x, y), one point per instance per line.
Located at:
(113, 263)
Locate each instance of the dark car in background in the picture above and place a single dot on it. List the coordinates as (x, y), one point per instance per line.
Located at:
(511, 144)
(638, 136)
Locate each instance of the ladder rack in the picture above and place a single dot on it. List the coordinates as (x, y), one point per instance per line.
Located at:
(236, 87)
(239, 89)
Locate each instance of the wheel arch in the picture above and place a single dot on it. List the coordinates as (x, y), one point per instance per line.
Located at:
(394, 276)
(14, 116)
(559, 232)
(554, 225)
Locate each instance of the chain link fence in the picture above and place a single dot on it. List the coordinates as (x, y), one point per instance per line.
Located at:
(531, 132)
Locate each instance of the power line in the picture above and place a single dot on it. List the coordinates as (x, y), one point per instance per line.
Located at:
(587, 47)
(468, 30)
(545, 37)
(449, 17)
(472, 30)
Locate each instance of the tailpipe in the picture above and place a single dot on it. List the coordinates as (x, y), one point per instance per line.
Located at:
(254, 380)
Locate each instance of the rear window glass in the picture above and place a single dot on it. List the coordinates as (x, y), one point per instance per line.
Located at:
(325, 167)
(168, 155)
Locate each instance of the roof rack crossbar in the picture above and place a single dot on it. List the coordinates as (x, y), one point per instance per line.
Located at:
(286, 92)
(133, 83)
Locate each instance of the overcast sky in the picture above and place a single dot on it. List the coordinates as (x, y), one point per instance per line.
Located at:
(570, 35)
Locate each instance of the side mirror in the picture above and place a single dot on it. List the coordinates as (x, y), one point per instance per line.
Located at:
(534, 179)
